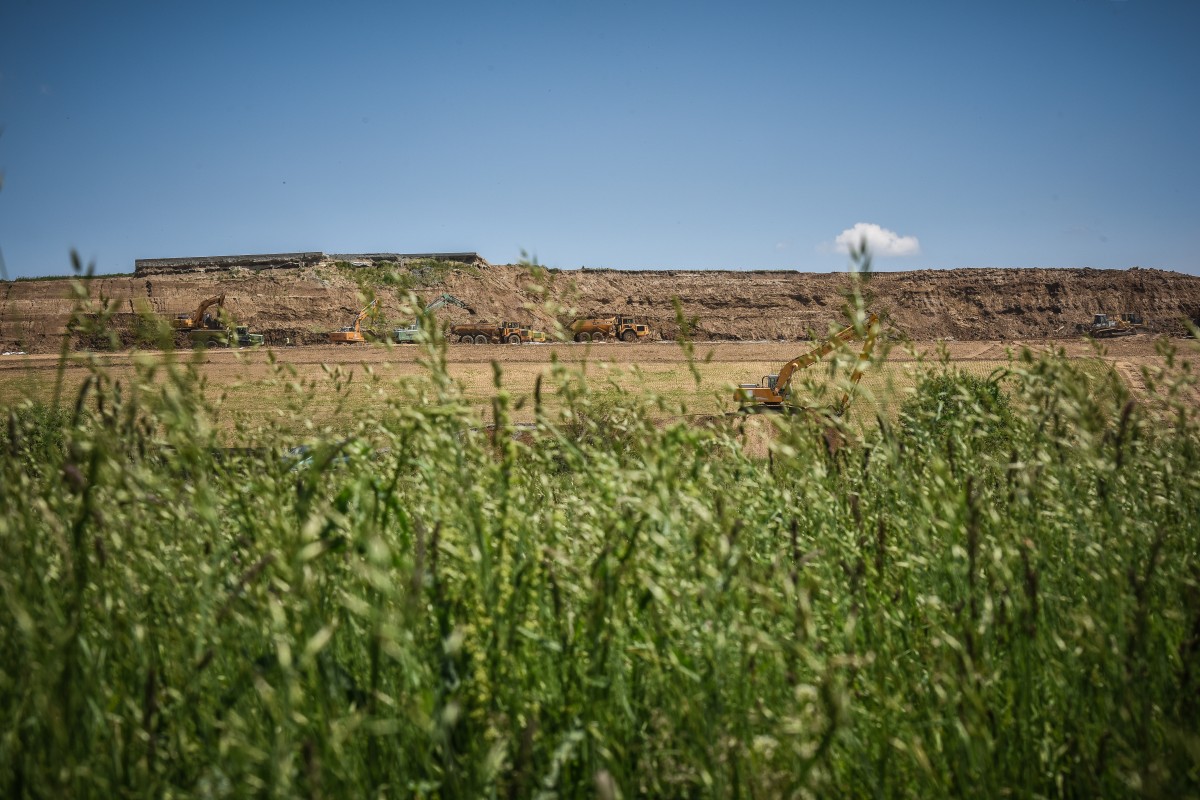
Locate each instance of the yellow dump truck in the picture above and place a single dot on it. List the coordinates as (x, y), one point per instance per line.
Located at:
(600, 329)
(495, 333)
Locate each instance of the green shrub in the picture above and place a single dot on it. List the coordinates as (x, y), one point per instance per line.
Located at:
(952, 409)
(34, 432)
(424, 605)
(403, 278)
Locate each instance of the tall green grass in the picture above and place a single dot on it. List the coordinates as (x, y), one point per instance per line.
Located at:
(997, 595)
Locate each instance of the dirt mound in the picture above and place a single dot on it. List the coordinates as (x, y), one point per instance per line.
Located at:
(298, 306)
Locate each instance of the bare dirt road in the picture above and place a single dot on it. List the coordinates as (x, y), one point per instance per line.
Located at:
(333, 384)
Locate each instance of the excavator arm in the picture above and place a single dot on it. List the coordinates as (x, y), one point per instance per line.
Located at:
(845, 335)
(864, 358)
(774, 390)
(448, 300)
(198, 317)
(363, 314)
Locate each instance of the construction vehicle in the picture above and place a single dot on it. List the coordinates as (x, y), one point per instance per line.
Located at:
(206, 328)
(773, 392)
(221, 336)
(1105, 327)
(199, 318)
(599, 329)
(409, 335)
(352, 334)
(217, 334)
(245, 338)
(495, 333)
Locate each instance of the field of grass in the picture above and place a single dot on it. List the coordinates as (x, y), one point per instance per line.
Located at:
(251, 388)
(992, 590)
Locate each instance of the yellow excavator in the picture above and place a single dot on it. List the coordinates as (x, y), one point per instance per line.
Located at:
(773, 392)
(353, 333)
(196, 320)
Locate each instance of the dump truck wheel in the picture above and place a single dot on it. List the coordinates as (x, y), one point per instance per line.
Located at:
(581, 337)
(628, 336)
(481, 339)
(514, 339)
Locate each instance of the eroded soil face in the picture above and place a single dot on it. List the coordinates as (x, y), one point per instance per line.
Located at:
(300, 306)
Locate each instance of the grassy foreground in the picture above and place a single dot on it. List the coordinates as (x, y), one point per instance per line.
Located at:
(996, 595)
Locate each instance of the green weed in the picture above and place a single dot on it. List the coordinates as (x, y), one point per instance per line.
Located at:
(999, 595)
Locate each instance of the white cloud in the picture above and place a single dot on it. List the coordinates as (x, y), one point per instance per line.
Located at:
(880, 241)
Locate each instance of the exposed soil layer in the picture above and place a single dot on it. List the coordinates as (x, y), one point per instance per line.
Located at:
(299, 306)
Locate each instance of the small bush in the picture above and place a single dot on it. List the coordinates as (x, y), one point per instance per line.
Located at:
(403, 278)
(954, 409)
(34, 432)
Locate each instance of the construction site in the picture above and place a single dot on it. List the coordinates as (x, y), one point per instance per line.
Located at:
(755, 333)
(304, 298)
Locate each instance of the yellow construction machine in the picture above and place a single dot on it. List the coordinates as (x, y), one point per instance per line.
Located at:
(600, 329)
(507, 332)
(196, 320)
(773, 392)
(206, 329)
(1105, 327)
(353, 333)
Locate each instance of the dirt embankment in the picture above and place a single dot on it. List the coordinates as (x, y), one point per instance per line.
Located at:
(300, 305)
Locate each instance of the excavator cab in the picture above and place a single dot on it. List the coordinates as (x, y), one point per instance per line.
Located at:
(767, 382)
(762, 393)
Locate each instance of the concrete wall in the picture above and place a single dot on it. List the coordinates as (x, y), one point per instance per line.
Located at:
(161, 266)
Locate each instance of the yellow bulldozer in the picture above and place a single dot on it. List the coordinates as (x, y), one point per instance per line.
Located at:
(1105, 327)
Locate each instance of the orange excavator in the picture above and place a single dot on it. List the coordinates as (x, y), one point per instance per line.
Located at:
(353, 333)
(773, 393)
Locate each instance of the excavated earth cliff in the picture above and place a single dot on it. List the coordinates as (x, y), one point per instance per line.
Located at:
(298, 306)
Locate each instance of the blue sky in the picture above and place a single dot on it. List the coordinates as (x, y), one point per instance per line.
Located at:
(644, 134)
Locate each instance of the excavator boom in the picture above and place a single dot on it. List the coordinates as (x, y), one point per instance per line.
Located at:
(409, 334)
(773, 391)
(363, 314)
(352, 334)
(448, 300)
(196, 320)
